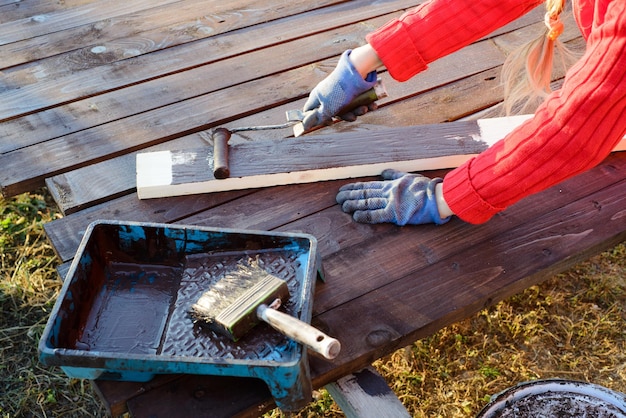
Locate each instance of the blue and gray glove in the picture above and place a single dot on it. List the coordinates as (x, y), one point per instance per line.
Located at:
(401, 198)
(335, 92)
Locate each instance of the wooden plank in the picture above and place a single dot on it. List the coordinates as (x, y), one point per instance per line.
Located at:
(43, 91)
(67, 235)
(19, 9)
(101, 134)
(105, 146)
(138, 33)
(57, 20)
(334, 230)
(207, 395)
(308, 159)
(89, 185)
(8, 2)
(113, 139)
(167, 90)
(114, 394)
(116, 105)
(365, 394)
(320, 158)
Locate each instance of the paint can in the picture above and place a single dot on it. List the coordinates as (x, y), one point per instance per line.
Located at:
(556, 398)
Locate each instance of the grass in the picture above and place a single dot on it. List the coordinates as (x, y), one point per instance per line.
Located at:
(571, 326)
(28, 288)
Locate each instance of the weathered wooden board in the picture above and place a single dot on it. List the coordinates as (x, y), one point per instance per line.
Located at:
(112, 105)
(87, 186)
(308, 159)
(238, 32)
(320, 158)
(141, 32)
(67, 234)
(18, 9)
(60, 19)
(118, 107)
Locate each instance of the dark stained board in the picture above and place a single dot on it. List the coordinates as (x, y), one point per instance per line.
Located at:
(320, 158)
(374, 272)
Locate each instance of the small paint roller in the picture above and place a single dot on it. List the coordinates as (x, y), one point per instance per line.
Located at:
(243, 298)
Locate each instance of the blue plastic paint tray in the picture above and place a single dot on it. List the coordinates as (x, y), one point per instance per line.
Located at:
(123, 311)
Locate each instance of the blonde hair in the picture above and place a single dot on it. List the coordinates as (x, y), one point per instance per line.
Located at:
(527, 72)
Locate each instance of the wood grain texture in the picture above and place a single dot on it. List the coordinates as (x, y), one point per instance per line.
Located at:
(438, 104)
(304, 159)
(250, 30)
(59, 19)
(11, 10)
(321, 158)
(111, 116)
(162, 26)
(465, 283)
(86, 186)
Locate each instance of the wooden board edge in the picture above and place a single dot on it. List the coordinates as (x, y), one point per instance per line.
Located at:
(149, 189)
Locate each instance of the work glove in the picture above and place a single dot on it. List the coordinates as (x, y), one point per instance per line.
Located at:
(401, 198)
(335, 92)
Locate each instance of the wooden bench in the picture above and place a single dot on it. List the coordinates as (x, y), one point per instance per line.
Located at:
(88, 84)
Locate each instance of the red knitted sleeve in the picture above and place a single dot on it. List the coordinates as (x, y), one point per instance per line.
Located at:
(439, 27)
(571, 132)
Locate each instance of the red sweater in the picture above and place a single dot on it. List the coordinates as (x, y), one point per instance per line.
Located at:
(572, 131)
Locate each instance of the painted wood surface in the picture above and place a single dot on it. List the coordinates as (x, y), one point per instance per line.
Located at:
(305, 160)
(428, 99)
(320, 158)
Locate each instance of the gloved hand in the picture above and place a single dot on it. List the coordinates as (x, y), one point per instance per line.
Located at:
(336, 91)
(401, 198)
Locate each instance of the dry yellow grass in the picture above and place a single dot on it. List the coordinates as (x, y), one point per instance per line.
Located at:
(571, 326)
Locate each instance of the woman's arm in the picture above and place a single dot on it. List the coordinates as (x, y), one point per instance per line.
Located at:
(437, 28)
(571, 132)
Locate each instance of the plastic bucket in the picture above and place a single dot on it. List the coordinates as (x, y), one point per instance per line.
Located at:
(556, 398)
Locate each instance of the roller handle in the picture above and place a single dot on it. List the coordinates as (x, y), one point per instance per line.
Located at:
(300, 331)
(220, 153)
(364, 99)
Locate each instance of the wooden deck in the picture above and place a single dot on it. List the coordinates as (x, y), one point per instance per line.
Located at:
(86, 84)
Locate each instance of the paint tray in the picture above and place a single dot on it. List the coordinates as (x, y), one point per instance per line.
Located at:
(123, 311)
